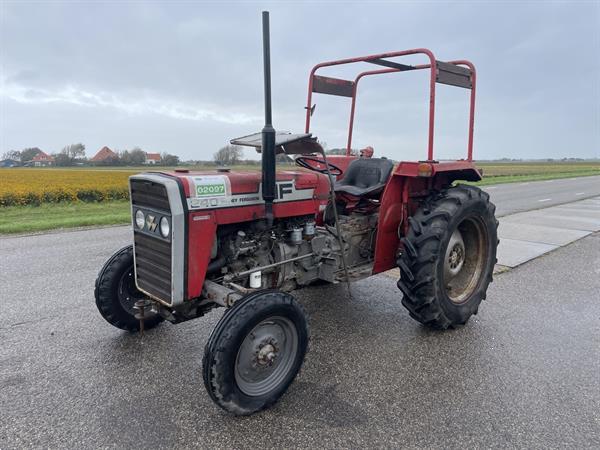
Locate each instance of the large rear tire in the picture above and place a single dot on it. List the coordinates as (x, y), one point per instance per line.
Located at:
(116, 293)
(448, 256)
(255, 352)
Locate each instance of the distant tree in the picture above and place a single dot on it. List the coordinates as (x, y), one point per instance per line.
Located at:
(27, 154)
(228, 155)
(75, 151)
(12, 154)
(70, 155)
(137, 157)
(169, 160)
(62, 159)
(124, 158)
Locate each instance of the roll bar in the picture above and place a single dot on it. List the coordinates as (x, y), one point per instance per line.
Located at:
(460, 73)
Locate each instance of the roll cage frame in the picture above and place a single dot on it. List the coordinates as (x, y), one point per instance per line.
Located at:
(460, 73)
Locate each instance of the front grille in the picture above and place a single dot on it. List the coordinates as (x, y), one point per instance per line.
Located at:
(148, 194)
(152, 254)
(153, 266)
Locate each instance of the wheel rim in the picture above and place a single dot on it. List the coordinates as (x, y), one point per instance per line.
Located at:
(128, 292)
(266, 356)
(465, 259)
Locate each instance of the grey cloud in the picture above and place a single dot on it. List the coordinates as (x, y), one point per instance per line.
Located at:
(185, 77)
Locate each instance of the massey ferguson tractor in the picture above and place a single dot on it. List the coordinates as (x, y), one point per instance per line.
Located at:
(245, 240)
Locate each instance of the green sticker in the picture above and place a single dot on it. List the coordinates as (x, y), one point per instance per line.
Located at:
(210, 189)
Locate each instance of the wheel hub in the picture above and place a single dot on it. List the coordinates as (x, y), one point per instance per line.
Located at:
(266, 356)
(128, 292)
(455, 255)
(465, 259)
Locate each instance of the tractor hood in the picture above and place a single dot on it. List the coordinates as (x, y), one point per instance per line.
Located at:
(223, 189)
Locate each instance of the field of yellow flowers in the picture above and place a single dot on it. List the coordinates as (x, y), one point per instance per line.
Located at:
(34, 186)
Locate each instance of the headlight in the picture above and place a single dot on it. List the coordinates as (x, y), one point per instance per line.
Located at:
(140, 218)
(165, 227)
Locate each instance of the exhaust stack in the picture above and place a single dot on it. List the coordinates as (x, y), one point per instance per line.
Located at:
(268, 132)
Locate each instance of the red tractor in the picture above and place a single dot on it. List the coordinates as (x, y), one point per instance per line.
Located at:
(245, 240)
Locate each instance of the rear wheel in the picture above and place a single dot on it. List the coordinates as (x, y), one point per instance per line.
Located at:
(448, 257)
(255, 352)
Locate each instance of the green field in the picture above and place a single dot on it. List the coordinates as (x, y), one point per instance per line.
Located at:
(47, 216)
(510, 172)
(27, 219)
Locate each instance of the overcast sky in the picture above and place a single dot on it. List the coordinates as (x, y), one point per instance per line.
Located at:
(185, 77)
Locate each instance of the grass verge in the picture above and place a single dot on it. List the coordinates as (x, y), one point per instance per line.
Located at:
(27, 219)
(501, 179)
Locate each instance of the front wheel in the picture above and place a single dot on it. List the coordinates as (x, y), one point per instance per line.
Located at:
(116, 293)
(448, 257)
(255, 352)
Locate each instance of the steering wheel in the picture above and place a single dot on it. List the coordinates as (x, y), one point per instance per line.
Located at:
(311, 163)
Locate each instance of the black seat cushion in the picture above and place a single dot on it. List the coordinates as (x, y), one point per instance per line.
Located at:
(365, 176)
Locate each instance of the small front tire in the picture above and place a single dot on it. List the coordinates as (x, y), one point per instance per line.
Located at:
(255, 352)
(116, 293)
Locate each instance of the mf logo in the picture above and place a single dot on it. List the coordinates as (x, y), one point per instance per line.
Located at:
(151, 223)
(284, 188)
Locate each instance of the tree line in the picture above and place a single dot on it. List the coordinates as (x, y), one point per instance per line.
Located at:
(74, 155)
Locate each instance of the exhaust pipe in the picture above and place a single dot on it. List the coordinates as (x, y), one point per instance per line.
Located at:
(268, 132)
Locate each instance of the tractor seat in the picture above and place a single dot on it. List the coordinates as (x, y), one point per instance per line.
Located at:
(365, 177)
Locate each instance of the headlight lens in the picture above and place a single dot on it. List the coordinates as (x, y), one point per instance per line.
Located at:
(165, 227)
(140, 218)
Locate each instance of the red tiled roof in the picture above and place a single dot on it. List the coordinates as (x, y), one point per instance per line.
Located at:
(103, 154)
(41, 156)
(153, 156)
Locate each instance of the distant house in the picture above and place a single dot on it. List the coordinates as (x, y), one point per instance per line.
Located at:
(41, 160)
(105, 156)
(152, 158)
(10, 163)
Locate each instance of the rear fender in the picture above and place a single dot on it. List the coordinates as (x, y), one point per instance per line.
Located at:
(441, 172)
(443, 179)
(409, 185)
(391, 214)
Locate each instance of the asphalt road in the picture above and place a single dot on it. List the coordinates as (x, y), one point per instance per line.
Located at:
(523, 373)
(516, 197)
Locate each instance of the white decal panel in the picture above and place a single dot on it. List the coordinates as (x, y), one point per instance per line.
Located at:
(211, 186)
(217, 194)
(209, 191)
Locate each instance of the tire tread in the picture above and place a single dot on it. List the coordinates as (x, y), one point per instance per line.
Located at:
(421, 250)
